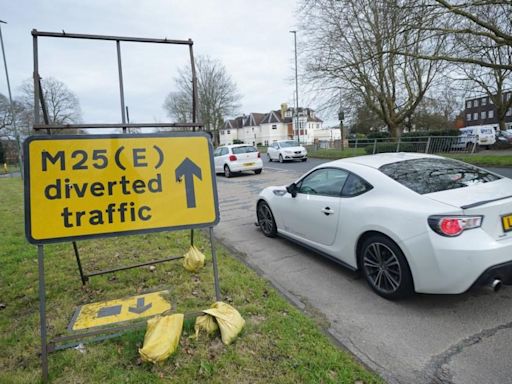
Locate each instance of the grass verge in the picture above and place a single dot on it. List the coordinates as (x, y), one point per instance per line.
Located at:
(494, 160)
(279, 344)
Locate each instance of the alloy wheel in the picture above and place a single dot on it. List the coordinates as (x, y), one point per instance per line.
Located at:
(382, 267)
(266, 220)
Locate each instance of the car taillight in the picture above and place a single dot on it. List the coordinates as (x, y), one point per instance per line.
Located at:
(259, 155)
(452, 226)
(232, 158)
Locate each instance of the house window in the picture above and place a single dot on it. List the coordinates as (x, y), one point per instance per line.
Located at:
(468, 117)
(229, 132)
(484, 101)
(509, 112)
(491, 114)
(468, 104)
(274, 126)
(475, 103)
(266, 143)
(475, 116)
(317, 126)
(221, 132)
(483, 115)
(253, 129)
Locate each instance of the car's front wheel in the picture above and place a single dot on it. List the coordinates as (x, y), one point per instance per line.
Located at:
(257, 171)
(385, 268)
(281, 160)
(269, 158)
(266, 220)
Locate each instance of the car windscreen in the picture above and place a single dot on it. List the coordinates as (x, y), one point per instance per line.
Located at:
(286, 144)
(435, 175)
(246, 149)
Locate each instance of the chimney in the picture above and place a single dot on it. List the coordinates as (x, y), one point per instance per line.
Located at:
(284, 107)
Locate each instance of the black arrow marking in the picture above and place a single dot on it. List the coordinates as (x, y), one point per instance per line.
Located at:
(140, 308)
(188, 169)
(109, 311)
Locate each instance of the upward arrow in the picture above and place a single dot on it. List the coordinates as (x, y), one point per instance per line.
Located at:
(188, 169)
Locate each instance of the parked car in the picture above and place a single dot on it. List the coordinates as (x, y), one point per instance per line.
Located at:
(284, 150)
(409, 222)
(477, 135)
(234, 158)
(504, 137)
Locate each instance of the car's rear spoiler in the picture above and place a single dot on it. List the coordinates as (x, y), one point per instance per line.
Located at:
(484, 202)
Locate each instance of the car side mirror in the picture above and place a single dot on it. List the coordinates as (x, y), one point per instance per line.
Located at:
(292, 189)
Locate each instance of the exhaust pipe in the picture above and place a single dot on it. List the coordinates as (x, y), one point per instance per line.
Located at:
(495, 285)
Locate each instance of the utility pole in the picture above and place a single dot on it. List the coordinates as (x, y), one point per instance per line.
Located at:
(13, 115)
(296, 89)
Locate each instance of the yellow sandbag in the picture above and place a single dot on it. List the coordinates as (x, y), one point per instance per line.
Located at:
(193, 260)
(206, 324)
(162, 337)
(229, 320)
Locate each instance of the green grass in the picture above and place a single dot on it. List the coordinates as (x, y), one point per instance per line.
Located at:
(484, 160)
(336, 153)
(496, 159)
(279, 343)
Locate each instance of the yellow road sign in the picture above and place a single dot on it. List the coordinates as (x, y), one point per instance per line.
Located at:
(99, 185)
(117, 311)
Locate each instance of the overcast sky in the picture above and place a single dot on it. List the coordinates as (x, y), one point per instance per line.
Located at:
(251, 38)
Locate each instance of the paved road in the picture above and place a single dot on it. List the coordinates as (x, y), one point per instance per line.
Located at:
(459, 339)
(298, 166)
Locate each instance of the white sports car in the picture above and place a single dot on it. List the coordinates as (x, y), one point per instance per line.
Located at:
(410, 222)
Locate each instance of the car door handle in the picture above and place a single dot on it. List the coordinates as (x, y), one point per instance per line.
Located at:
(327, 211)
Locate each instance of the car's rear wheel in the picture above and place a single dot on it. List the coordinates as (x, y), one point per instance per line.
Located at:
(305, 159)
(269, 158)
(227, 171)
(266, 220)
(281, 158)
(257, 171)
(385, 268)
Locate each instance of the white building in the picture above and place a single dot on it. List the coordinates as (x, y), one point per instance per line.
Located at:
(266, 128)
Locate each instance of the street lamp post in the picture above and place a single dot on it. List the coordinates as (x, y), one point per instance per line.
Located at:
(296, 89)
(341, 117)
(13, 116)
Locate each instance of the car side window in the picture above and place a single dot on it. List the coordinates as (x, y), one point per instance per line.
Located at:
(217, 152)
(224, 151)
(355, 186)
(324, 182)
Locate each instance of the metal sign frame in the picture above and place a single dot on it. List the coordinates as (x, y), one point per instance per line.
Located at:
(54, 344)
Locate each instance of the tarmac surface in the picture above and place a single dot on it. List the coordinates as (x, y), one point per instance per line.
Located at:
(459, 339)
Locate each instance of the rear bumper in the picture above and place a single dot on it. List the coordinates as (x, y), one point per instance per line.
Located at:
(501, 272)
(454, 265)
(250, 165)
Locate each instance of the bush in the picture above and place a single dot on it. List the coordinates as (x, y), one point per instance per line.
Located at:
(389, 147)
(237, 141)
(378, 135)
(443, 132)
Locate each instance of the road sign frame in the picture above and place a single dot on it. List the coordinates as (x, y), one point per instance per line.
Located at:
(27, 186)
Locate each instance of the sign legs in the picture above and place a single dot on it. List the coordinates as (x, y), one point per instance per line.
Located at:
(42, 314)
(215, 268)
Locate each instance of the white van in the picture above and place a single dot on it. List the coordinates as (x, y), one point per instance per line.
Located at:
(483, 135)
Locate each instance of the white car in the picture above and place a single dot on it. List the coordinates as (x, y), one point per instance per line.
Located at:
(410, 222)
(480, 135)
(237, 158)
(283, 150)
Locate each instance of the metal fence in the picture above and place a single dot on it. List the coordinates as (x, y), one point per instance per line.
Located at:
(423, 144)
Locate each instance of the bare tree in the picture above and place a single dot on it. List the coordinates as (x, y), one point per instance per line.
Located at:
(485, 22)
(217, 94)
(352, 46)
(61, 103)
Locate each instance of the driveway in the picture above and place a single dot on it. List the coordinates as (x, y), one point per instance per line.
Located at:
(426, 339)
